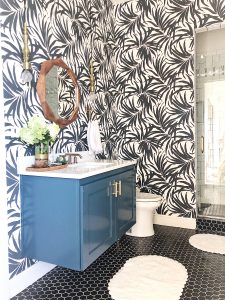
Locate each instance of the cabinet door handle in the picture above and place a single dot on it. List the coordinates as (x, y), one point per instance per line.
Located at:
(119, 188)
(202, 144)
(115, 191)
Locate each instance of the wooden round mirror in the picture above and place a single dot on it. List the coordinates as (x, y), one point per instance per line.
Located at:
(58, 91)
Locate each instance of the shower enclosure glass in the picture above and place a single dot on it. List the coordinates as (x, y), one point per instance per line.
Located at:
(210, 122)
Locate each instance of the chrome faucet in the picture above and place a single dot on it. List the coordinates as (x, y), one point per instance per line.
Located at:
(72, 157)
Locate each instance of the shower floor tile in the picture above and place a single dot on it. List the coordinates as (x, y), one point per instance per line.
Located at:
(206, 271)
(212, 210)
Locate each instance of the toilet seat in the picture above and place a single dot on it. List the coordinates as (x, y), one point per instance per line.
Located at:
(147, 197)
(146, 204)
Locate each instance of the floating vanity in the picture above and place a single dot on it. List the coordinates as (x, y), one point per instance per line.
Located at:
(71, 216)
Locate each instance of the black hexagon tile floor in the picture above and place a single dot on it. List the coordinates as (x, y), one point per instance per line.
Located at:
(206, 271)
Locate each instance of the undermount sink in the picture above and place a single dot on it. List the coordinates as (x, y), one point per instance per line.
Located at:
(90, 164)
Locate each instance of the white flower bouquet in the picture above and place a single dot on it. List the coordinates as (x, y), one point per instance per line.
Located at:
(41, 135)
(39, 132)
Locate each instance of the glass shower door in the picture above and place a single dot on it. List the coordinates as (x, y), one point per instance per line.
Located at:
(210, 121)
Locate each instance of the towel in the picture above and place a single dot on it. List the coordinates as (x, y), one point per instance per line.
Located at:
(93, 137)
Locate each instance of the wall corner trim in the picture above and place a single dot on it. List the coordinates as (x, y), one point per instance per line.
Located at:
(21, 281)
(174, 221)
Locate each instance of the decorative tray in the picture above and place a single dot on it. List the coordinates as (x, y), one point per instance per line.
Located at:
(50, 168)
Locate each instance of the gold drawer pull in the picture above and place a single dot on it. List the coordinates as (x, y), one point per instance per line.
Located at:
(202, 144)
(115, 192)
(119, 188)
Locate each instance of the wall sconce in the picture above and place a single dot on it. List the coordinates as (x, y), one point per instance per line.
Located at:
(26, 75)
(92, 96)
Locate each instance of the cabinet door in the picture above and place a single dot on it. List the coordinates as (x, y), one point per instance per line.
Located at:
(98, 220)
(126, 202)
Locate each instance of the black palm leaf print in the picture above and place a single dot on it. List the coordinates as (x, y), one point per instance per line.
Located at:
(162, 182)
(100, 10)
(184, 82)
(181, 205)
(147, 143)
(215, 12)
(127, 150)
(147, 96)
(163, 72)
(129, 18)
(12, 13)
(142, 40)
(181, 159)
(43, 45)
(181, 10)
(161, 28)
(181, 57)
(163, 209)
(184, 134)
(130, 67)
(16, 264)
(16, 96)
(181, 107)
(72, 138)
(143, 61)
(146, 6)
(12, 49)
(131, 114)
(56, 29)
(163, 127)
(185, 183)
(12, 181)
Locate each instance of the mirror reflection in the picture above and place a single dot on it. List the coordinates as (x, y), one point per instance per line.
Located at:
(58, 92)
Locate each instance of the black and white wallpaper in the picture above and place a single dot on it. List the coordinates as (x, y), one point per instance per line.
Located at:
(65, 29)
(154, 80)
(144, 70)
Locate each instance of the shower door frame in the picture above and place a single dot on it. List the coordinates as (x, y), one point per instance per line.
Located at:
(199, 138)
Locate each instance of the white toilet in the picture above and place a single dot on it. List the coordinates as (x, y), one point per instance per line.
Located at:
(146, 204)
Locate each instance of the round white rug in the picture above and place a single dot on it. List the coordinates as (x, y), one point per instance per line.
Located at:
(149, 277)
(208, 242)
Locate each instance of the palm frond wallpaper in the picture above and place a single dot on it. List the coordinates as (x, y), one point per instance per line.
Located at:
(143, 59)
(154, 52)
(56, 29)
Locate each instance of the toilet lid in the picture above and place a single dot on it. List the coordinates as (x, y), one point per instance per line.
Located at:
(147, 197)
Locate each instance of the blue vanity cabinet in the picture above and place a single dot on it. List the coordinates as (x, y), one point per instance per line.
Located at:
(126, 203)
(109, 210)
(71, 222)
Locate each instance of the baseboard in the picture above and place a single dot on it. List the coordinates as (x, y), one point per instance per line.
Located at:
(18, 283)
(174, 221)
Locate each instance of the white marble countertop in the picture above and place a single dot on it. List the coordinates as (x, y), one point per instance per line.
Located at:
(83, 169)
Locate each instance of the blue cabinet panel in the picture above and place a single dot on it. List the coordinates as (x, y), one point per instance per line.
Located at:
(50, 220)
(71, 222)
(98, 220)
(126, 203)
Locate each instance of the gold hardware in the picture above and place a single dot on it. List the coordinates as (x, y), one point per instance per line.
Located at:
(26, 64)
(202, 144)
(115, 192)
(92, 79)
(89, 111)
(119, 188)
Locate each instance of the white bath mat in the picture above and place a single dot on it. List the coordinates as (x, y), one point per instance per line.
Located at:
(208, 242)
(148, 277)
